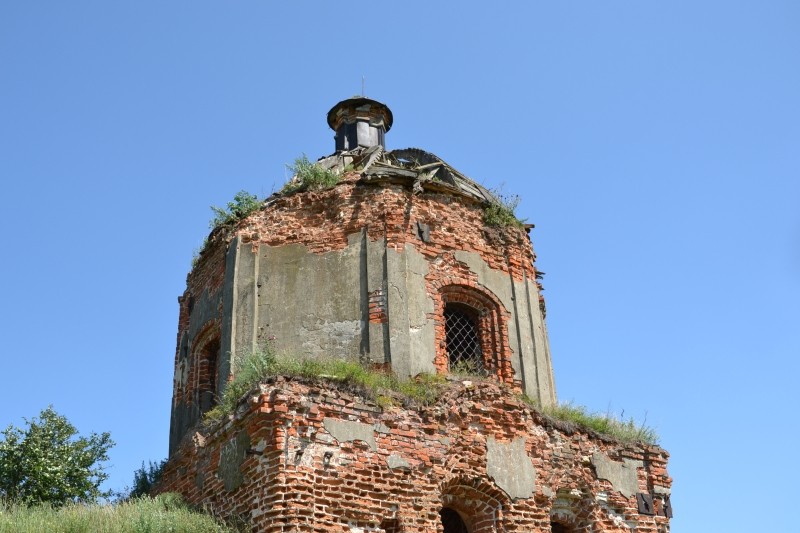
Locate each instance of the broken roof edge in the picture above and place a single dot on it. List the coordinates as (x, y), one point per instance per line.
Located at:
(424, 168)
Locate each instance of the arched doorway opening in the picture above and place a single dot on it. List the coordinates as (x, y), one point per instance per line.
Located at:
(452, 521)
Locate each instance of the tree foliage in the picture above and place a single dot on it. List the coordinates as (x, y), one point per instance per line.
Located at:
(48, 462)
(145, 477)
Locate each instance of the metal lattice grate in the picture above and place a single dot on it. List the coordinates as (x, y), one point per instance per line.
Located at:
(463, 342)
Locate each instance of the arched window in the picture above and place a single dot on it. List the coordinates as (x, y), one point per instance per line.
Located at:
(206, 356)
(471, 333)
(463, 338)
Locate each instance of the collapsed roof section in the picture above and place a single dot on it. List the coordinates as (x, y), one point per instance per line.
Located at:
(422, 169)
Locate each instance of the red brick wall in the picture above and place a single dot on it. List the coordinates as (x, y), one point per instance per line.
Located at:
(322, 221)
(295, 476)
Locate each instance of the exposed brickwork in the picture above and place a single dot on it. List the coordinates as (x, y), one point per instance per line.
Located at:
(323, 220)
(285, 461)
(205, 280)
(377, 307)
(326, 220)
(295, 475)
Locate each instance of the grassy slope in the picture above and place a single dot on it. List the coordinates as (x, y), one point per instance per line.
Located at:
(165, 513)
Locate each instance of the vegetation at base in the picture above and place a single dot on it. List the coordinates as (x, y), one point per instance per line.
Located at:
(49, 462)
(384, 388)
(467, 369)
(309, 176)
(605, 424)
(242, 205)
(501, 212)
(166, 512)
(387, 389)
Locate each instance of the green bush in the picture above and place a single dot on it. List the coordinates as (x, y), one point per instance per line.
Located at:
(144, 478)
(242, 205)
(309, 176)
(166, 512)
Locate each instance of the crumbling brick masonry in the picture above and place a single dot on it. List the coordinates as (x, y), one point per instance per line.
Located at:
(305, 456)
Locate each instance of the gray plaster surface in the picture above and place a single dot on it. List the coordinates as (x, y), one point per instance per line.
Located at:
(545, 383)
(310, 304)
(227, 350)
(205, 308)
(495, 281)
(419, 332)
(397, 299)
(621, 475)
(510, 467)
(658, 489)
(231, 457)
(348, 431)
(244, 299)
(374, 261)
(397, 462)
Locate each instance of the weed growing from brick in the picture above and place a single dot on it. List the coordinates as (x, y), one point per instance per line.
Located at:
(501, 212)
(309, 176)
(242, 205)
(604, 424)
(384, 388)
(387, 390)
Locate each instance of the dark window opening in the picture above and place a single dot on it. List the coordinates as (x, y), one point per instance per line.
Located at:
(390, 525)
(558, 528)
(209, 357)
(452, 521)
(462, 339)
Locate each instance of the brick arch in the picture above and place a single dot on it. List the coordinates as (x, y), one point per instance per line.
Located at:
(492, 325)
(479, 503)
(571, 510)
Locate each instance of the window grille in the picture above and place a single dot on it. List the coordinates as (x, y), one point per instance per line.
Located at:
(463, 340)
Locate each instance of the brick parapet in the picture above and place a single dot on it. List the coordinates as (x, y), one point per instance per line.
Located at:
(299, 474)
(323, 221)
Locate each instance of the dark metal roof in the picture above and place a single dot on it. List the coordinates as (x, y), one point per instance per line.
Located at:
(357, 102)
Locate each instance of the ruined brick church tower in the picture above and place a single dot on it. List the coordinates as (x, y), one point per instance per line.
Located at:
(405, 264)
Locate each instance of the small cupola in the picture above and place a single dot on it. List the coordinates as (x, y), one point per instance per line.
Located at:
(358, 122)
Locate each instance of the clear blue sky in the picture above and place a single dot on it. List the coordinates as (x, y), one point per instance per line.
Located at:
(656, 146)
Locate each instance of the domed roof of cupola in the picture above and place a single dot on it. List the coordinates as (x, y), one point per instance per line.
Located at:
(360, 124)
